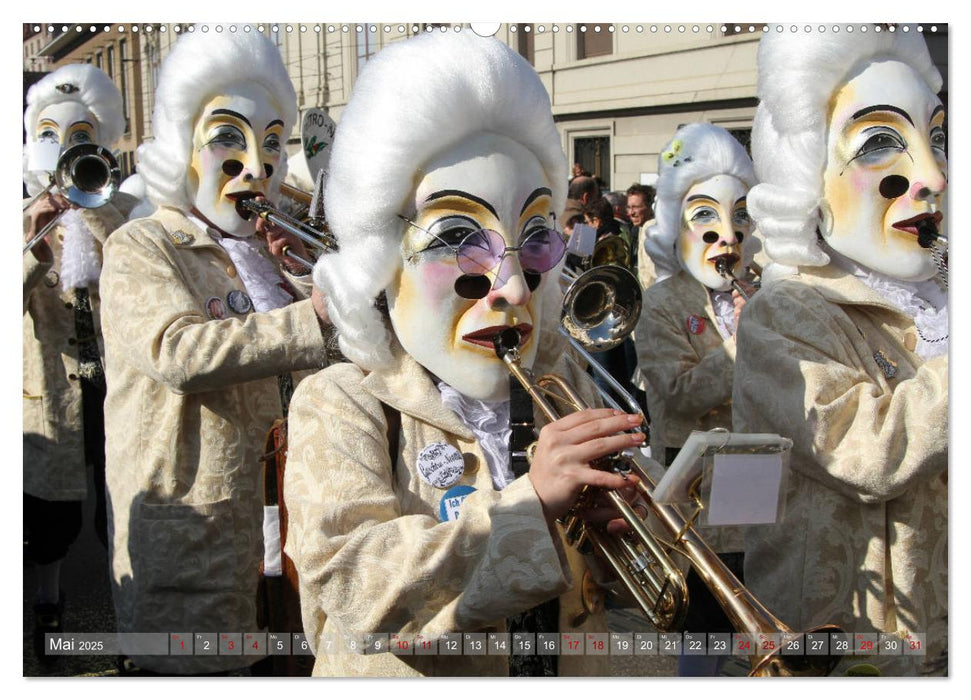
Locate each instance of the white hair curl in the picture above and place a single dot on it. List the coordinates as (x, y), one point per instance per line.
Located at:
(798, 74)
(695, 153)
(415, 100)
(79, 82)
(200, 67)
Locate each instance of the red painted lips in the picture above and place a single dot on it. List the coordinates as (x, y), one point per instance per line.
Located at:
(910, 225)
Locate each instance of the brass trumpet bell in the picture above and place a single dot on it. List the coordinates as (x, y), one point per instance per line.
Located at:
(88, 175)
(601, 307)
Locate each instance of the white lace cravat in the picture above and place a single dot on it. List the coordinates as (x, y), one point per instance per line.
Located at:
(724, 308)
(489, 421)
(925, 302)
(80, 261)
(259, 276)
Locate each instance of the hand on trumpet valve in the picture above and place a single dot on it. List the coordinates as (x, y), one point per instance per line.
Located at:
(599, 509)
(561, 465)
(738, 301)
(41, 213)
(279, 241)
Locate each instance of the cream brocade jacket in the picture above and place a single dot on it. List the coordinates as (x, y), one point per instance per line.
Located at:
(368, 544)
(189, 402)
(863, 542)
(687, 376)
(54, 462)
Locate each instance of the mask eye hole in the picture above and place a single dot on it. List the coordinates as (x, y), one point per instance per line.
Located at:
(472, 286)
(739, 236)
(710, 237)
(232, 168)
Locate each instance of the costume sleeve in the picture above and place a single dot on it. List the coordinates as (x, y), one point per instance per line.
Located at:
(800, 374)
(688, 385)
(161, 329)
(34, 272)
(373, 568)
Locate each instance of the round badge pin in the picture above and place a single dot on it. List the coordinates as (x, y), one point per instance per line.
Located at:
(696, 324)
(180, 237)
(215, 308)
(239, 302)
(440, 464)
(451, 502)
(52, 278)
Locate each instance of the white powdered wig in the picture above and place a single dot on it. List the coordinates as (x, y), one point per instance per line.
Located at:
(799, 72)
(416, 99)
(80, 82)
(695, 153)
(198, 69)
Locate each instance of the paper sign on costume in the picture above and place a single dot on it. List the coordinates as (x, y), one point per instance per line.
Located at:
(440, 464)
(745, 489)
(452, 501)
(43, 155)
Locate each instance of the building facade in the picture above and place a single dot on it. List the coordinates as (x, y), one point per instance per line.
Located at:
(618, 91)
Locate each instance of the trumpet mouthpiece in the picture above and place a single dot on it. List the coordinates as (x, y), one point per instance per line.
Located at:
(927, 233)
(506, 342)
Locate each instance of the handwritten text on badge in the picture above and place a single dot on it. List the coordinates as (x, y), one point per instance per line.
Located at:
(448, 509)
(440, 464)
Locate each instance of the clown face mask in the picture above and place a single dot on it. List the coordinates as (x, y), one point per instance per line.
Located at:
(714, 222)
(488, 182)
(886, 170)
(237, 146)
(66, 123)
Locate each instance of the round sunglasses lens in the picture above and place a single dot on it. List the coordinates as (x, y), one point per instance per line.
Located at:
(480, 251)
(542, 250)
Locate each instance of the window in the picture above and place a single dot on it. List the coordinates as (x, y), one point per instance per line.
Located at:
(596, 40)
(524, 42)
(744, 137)
(367, 45)
(110, 62)
(97, 59)
(593, 154)
(123, 69)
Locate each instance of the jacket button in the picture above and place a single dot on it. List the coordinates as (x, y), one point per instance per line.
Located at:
(72, 341)
(231, 271)
(72, 377)
(910, 340)
(68, 305)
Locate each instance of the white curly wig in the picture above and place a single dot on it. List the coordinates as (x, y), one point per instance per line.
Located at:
(80, 82)
(415, 100)
(199, 68)
(798, 74)
(695, 153)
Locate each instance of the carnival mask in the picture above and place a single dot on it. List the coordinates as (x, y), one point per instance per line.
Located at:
(67, 123)
(886, 170)
(236, 153)
(487, 184)
(714, 222)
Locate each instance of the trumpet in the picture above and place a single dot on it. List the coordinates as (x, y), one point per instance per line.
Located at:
(643, 559)
(928, 236)
(87, 175)
(723, 266)
(322, 240)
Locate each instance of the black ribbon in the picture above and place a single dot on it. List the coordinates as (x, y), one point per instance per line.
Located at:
(545, 616)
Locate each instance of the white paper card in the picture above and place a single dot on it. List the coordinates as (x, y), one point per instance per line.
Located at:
(42, 155)
(582, 240)
(745, 489)
(272, 554)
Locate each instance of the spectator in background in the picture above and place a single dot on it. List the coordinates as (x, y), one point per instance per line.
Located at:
(583, 189)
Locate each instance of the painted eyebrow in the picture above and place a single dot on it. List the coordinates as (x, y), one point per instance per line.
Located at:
(89, 124)
(937, 110)
(882, 108)
(741, 200)
(539, 192)
(274, 123)
(463, 195)
(700, 196)
(231, 113)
